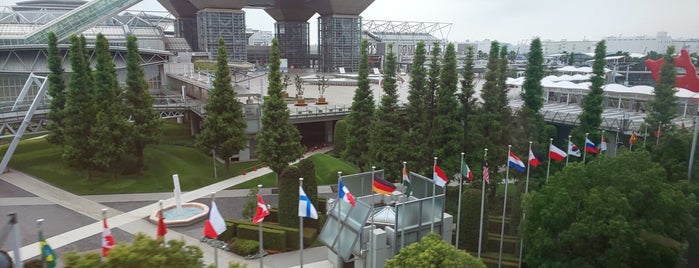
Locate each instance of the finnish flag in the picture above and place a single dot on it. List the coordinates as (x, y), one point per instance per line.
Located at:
(306, 208)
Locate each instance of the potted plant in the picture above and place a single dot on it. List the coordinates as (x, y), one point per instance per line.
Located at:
(322, 85)
(298, 82)
(285, 84)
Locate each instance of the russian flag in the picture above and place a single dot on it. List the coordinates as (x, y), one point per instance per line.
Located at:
(515, 162)
(534, 158)
(590, 147)
(344, 194)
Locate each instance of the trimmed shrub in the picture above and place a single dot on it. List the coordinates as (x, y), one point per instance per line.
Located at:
(289, 196)
(470, 220)
(244, 247)
(339, 137)
(273, 215)
(322, 205)
(310, 186)
(229, 233)
(273, 239)
(292, 234)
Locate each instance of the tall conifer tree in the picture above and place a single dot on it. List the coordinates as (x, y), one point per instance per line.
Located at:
(448, 132)
(57, 91)
(591, 116)
(534, 124)
(357, 150)
(417, 123)
(472, 137)
(664, 105)
(224, 125)
(278, 142)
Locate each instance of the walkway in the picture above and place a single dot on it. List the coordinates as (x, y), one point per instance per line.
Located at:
(134, 221)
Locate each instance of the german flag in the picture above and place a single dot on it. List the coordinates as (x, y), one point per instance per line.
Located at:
(382, 186)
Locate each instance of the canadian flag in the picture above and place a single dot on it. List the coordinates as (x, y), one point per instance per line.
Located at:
(261, 211)
(107, 239)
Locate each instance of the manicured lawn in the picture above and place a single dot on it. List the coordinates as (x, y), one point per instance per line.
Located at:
(326, 168)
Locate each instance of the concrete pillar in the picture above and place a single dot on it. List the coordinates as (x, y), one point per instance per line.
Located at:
(447, 227)
(329, 131)
(379, 249)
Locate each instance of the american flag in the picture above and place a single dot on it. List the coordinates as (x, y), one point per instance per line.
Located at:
(486, 172)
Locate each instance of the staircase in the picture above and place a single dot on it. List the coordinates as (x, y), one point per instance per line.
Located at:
(510, 247)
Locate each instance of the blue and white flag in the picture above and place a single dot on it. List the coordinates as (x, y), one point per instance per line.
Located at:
(306, 208)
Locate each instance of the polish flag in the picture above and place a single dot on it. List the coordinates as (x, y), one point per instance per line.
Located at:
(556, 154)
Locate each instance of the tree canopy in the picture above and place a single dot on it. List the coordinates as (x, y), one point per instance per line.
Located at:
(432, 251)
(610, 212)
(357, 147)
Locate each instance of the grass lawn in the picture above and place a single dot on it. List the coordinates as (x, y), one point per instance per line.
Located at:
(42, 160)
(326, 168)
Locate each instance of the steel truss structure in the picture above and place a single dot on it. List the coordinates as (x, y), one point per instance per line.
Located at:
(403, 34)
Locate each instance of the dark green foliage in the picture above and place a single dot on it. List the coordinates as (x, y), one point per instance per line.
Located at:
(386, 145)
(340, 136)
(433, 84)
(417, 126)
(291, 233)
(307, 171)
(501, 83)
(250, 203)
(533, 124)
(673, 152)
(469, 104)
(514, 203)
(488, 120)
(358, 134)
(278, 142)
(610, 212)
(664, 105)
(272, 239)
(57, 91)
(447, 129)
(146, 125)
(432, 251)
(108, 136)
(470, 220)
(245, 247)
(289, 196)
(224, 124)
(143, 252)
(591, 116)
(80, 110)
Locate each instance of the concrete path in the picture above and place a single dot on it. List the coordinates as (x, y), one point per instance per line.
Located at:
(133, 221)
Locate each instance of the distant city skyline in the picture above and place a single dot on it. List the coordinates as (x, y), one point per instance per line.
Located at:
(516, 22)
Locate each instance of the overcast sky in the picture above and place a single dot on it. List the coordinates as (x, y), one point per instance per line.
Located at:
(515, 21)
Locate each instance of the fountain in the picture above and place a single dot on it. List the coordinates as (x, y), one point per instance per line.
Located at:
(180, 214)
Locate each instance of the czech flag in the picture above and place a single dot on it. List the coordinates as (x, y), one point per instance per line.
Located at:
(534, 158)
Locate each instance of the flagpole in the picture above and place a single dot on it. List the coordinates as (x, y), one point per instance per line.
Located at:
(645, 136)
(631, 143)
(371, 234)
(458, 211)
(616, 146)
(261, 249)
(569, 141)
(693, 149)
(402, 215)
(104, 219)
(480, 231)
(213, 194)
(548, 168)
(601, 139)
(524, 214)
(15, 236)
(301, 229)
(504, 204)
(657, 141)
(161, 215)
(434, 195)
(585, 151)
(43, 261)
(339, 222)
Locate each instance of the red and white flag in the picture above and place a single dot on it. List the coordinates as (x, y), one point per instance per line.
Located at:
(556, 154)
(162, 229)
(215, 225)
(107, 239)
(439, 177)
(261, 212)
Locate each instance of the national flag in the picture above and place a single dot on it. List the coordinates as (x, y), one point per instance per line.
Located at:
(440, 179)
(603, 144)
(214, 225)
(590, 147)
(162, 229)
(573, 149)
(306, 208)
(382, 186)
(633, 138)
(344, 194)
(407, 184)
(515, 162)
(534, 158)
(47, 254)
(262, 210)
(107, 239)
(486, 172)
(556, 154)
(466, 171)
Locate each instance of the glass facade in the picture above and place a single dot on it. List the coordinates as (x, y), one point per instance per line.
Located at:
(294, 43)
(227, 24)
(339, 38)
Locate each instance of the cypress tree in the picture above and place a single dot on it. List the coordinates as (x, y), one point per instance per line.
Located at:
(417, 124)
(57, 91)
(472, 137)
(664, 105)
(534, 124)
(448, 132)
(224, 125)
(139, 104)
(79, 109)
(110, 131)
(357, 147)
(278, 142)
(489, 121)
(591, 116)
(386, 144)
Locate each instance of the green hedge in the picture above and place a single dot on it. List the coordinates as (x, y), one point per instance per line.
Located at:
(273, 239)
(322, 204)
(292, 234)
(273, 215)
(229, 233)
(245, 247)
